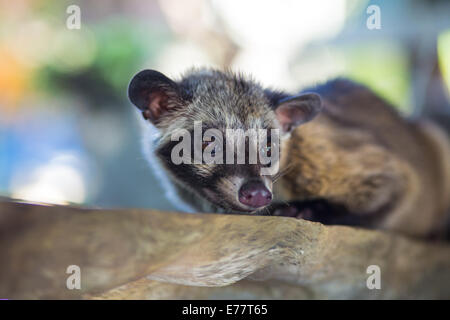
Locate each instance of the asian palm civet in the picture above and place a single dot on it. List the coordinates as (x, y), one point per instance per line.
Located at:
(357, 162)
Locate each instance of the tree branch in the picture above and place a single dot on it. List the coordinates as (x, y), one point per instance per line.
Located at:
(129, 253)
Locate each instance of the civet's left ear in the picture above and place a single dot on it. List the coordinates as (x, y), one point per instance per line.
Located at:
(155, 95)
(296, 110)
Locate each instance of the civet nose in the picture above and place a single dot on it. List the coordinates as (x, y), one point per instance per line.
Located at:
(254, 194)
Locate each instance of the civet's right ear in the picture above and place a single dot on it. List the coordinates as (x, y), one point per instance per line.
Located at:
(294, 111)
(154, 94)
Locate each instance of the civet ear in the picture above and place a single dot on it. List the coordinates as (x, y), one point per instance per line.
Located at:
(296, 110)
(154, 94)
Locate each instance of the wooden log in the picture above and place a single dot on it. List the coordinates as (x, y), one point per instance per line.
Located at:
(152, 254)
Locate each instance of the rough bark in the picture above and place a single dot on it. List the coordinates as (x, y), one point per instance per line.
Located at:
(149, 254)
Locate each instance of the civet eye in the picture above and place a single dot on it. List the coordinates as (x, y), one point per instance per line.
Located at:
(207, 143)
(267, 150)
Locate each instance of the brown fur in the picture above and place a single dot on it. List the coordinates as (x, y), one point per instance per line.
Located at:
(358, 154)
(362, 154)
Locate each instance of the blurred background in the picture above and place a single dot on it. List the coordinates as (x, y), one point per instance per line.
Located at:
(68, 133)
